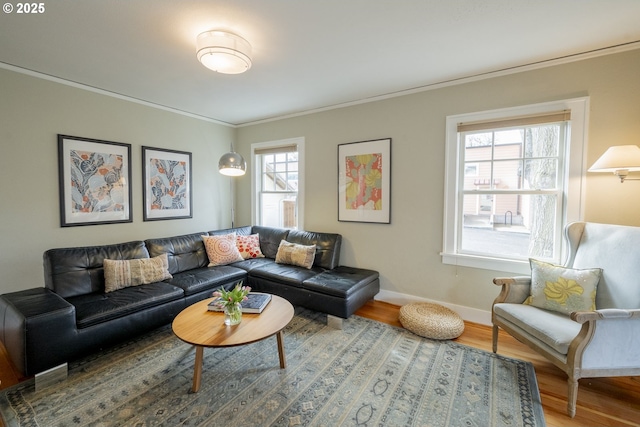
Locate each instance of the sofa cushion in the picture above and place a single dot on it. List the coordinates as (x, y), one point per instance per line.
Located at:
(283, 273)
(95, 308)
(341, 281)
(251, 263)
(185, 252)
(327, 246)
(270, 239)
(295, 254)
(78, 271)
(222, 249)
(207, 278)
(562, 289)
(119, 274)
(554, 329)
(249, 246)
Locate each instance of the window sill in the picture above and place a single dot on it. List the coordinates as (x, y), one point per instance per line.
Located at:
(486, 263)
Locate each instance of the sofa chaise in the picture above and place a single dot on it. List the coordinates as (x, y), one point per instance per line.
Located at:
(73, 315)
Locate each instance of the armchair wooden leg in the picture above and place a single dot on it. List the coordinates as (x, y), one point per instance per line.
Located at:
(495, 338)
(572, 397)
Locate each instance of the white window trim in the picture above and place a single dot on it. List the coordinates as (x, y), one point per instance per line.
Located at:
(255, 182)
(574, 175)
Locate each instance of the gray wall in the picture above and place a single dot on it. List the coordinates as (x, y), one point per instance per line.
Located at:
(32, 112)
(406, 252)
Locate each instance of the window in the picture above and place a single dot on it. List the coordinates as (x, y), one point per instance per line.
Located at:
(278, 184)
(513, 180)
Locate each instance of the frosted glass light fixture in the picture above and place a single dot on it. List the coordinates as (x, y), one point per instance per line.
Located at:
(620, 160)
(223, 52)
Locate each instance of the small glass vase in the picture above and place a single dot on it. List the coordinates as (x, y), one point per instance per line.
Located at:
(232, 314)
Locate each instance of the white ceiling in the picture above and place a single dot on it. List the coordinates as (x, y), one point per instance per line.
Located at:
(307, 54)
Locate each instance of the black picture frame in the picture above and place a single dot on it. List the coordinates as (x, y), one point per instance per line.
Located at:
(364, 181)
(94, 181)
(166, 177)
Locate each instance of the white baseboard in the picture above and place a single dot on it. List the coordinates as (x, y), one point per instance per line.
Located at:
(467, 313)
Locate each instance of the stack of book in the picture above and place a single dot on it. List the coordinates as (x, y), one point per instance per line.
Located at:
(255, 303)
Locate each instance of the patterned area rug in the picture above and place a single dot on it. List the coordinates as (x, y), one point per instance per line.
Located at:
(367, 374)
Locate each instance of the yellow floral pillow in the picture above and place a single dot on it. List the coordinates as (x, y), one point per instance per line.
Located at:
(562, 289)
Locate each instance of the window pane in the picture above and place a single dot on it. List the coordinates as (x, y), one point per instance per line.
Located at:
(508, 151)
(541, 174)
(509, 225)
(542, 141)
(268, 183)
(508, 136)
(278, 210)
(507, 174)
(292, 180)
(478, 146)
(278, 195)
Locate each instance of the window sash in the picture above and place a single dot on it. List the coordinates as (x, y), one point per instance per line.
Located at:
(494, 162)
(569, 203)
(286, 176)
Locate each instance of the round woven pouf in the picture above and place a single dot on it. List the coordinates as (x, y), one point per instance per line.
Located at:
(431, 320)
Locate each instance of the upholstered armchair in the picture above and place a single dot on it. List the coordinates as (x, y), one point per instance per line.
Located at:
(600, 341)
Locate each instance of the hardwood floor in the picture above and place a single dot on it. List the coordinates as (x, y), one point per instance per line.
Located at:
(601, 401)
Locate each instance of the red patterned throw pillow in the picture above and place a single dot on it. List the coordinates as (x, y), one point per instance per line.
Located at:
(249, 246)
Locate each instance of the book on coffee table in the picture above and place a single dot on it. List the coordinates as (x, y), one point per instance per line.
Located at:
(255, 303)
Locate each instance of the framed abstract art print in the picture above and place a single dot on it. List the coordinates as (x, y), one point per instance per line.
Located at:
(166, 184)
(94, 180)
(364, 181)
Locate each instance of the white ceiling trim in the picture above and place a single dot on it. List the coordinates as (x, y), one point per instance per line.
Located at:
(462, 80)
(108, 93)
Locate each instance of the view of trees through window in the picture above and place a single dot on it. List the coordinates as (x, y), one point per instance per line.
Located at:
(513, 189)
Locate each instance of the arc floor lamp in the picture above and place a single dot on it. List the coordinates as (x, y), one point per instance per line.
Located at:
(232, 164)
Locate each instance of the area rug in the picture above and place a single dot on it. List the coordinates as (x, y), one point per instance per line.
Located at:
(367, 374)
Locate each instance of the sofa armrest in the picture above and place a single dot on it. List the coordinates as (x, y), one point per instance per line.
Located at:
(37, 327)
(514, 289)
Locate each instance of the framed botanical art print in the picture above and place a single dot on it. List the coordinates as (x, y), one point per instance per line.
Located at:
(94, 180)
(364, 181)
(166, 184)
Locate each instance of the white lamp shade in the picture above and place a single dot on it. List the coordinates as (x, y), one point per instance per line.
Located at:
(620, 157)
(223, 52)
(232, 164)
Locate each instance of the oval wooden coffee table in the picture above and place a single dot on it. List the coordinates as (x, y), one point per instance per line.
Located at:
(198, 326)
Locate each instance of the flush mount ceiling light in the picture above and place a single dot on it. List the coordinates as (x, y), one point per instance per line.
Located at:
(223, 52)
